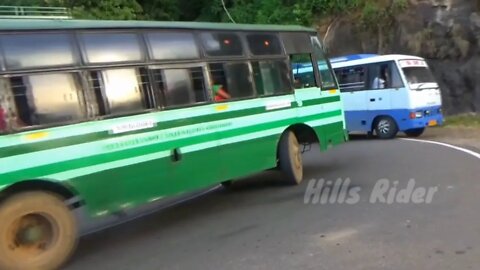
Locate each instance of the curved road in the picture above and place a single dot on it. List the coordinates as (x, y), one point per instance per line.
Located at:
(262, 225)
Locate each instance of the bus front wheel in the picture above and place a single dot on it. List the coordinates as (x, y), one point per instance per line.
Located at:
(386, 128)
(414, 132)
(290, 158)
(37, 231)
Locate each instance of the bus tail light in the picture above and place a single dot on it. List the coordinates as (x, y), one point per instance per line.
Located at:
(3, 120)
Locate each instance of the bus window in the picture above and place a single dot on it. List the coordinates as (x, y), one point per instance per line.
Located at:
(181, 86)
(221, 44)
(234, 78)
(111, 47)
(385, 75)
(326, 74)
(264, 44)
(169, 46)
(271, 77)
(352, 78)
(37, 50)
(41, 102)
(122, 89)
(302, 69)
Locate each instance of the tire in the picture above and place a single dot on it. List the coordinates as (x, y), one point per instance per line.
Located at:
(386, 128)
(290, 158)
(417, 132)
(37, 231)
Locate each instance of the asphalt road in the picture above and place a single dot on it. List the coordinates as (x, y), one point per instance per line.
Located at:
(260, 224)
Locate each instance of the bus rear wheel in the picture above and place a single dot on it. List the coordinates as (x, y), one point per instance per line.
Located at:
(290, 158)
(37, 231)
(414, 132)
(386, 128)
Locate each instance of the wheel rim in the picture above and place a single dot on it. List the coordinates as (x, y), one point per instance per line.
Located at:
(384, 126)
(31, 235)
(296, 155)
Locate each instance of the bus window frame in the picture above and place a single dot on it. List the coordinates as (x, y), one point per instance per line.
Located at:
(81, 95)
(251, 79)
(159, 95)
(145, 94)
(286, 61)
(138, 33)
(371, 76)
(149, 49)
(366, 80)
(76, 53)
(327, 59)
(263, 56)
(208, 58)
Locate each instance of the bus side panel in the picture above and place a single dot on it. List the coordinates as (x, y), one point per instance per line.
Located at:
(248, 157)
(358, 121)
(129, 186)
(330, 135)
(356, 114)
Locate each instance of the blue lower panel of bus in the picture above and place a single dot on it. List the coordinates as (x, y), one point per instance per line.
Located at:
(363, 120)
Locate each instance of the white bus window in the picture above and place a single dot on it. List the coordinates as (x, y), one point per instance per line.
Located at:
(221, 44)
(231, 81)
(271, 77)
(170, 46)
(37, 50)
(351, 78)
(181, 87)
(302, 69)
(40, 102)
(111, 47)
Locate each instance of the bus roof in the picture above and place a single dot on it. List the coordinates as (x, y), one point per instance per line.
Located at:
(360, 59)
(42, 24)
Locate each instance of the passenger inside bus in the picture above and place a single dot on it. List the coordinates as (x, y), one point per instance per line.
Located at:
(220, 93)
(381, 81)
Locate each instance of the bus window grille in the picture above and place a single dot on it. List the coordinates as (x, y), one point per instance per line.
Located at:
(96, 84)
(25, 115)
(142, 78)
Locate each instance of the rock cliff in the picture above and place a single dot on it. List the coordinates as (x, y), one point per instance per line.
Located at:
(445, 32)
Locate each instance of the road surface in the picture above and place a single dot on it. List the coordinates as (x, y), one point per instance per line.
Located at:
(260, 224)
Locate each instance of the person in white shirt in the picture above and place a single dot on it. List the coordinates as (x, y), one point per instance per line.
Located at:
(380, 82)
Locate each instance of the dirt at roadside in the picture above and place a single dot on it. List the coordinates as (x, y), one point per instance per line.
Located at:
(468, 137)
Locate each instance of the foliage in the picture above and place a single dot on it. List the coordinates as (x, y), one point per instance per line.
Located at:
(469, 120)
(243, 11)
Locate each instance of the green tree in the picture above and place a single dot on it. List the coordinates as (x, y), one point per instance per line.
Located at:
(106, 9)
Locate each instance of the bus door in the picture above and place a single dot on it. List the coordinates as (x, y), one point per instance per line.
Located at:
(380, 89)
(353, 85)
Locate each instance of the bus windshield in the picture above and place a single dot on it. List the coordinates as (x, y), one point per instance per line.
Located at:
(418, 77)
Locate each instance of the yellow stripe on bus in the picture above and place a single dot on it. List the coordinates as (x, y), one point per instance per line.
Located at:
(222, 107)
(36, 135)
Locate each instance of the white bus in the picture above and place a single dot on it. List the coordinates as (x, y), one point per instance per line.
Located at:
(388, 93)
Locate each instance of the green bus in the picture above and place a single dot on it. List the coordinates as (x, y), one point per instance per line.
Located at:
(109, 115)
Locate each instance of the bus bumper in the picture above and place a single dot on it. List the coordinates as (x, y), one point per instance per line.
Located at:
(430, 117)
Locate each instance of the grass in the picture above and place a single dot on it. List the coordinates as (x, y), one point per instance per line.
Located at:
(463, 120)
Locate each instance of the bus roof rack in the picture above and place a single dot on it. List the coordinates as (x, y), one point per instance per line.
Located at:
(24, 12)
(351, 57)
